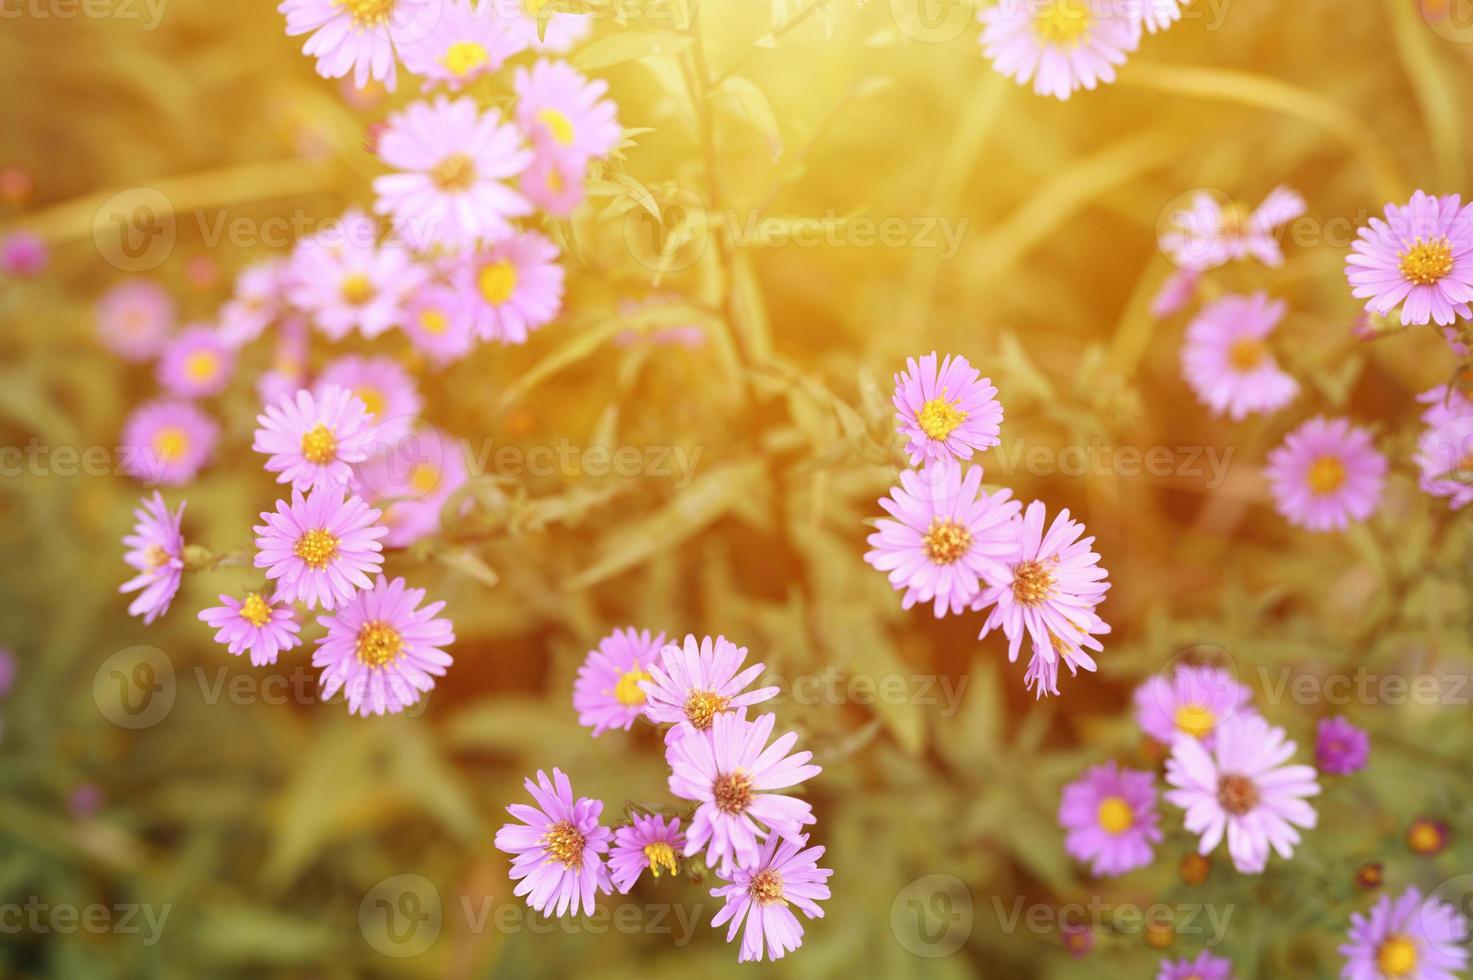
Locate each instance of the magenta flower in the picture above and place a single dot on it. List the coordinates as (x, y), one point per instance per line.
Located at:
(156, 551)
(1212, 232)
(785, 876)
(344, 280)
(1445, 457)
(1204, 967)
(1326, 474)
(731, 773)
(512, 289)
(1340, 748)
(197, 363)
(382, 649)
(384, 388)
(649, 843)
(1241, 789)
(1194, 701)
(23, 255)
(946, 536)
(607, 692)
(167, 442)
(359, 37)
(690, 685)
(1420, 257)
(314, 440)
(135, 318)
(947, 412)
(1111, 819)
(258, 301)
(1059, 45)
(468, 43)
(1407, 937)
(565, 114)
(1226, 360)
(255, 623)
(557, 849)
(1177, 292)
(319, 549)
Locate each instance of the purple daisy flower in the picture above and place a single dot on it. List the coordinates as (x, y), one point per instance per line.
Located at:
(255, 623)
(785, 876)
(1226, 360)
(1241, 789)
(1444, 403)
(135, 318)
(1111, 819)
(557, 849)
(731, 772)
(1445, 457)
(512, 289)
(344, 280)
(1194, 701)
(946, 412)
(314, 440)
(565, 114)
(197, 363)
(1213, 231)
(321, 548)
(1326, 474)
(1340, 748)
(1204, 967)
(382, 649)
(412, 481)
(1408, 937)
(439, 324)
(167, 442)
(468, 43)
(1420, 257)
(359, 37)
(384, 387)
(650, 843)
(1060, 46)
(156, 550)
(690, 685)
(259, 299)
(24, 255)
(946, 536)
(607, 692)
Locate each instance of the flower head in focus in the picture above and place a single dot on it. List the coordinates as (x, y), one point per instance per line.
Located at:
(1419, 258)
(384, 648)
(557, 847)
(946, 412)
(256, 624)
(762, 896)
(650, 843)
(156, 552)
(313, 441)
(320, 549)
(1060, 46)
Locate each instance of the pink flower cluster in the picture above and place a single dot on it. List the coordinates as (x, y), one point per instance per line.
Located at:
(743, 826)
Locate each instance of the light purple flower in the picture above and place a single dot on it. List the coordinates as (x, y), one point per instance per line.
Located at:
(1226, 360)
(1177, 292)
(258, 301)
(689, 685)
(384, 387)
(1060, 46)
(383, 649)
(412, 481)
(312, 441)
(607, 692)
(946, 412)
(256, 623)
(1326, 474)
(167, 442)
(24, 255)
(557, 849)
(1111, 819)
(1204, 967)
(1408, 937)
(785, 876)
(1420, 258)
(196, 363)
(1194, 701)
(1213, 231)
(344, 280)
(1445, 459)
(556, 33)
(1444, 403)
(135, 318)
(320, 549)
(650, 843)
(7, 672)
(512, 289)
(359, 37)
(565, 114)
(468, 43)
(1340, 748)
(156, 551)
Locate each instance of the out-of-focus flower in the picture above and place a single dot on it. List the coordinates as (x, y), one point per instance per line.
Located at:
(1158, 15)
(23, 255)
(1211, 233)
(1193, 702)
(468, 42)
(7, 672)
(513, 288)
(650, 843)
(1410, 936)
(344, 280)
(1340, 748)
(1059, 45)
(565, 114)
(1373, 326)
(1226, 360)
(946, 412)
(85, 800)
(1078, 940)
(1370, 876)
(1111, 820)
(607, 692)
(689, 685)
(557, 848)
(167, 442)
(1445, 458)
(256, 624)
(360, 37)
(384, 388)
(156, 551)
(1427, 836)
(288, 371)
(258, 301)
(438, 322)
(1177, 292)
(1194, 868)
(1204, 967)
(1242, 790)
(785, 876)
(554, 183)
(201, 273)
(197, 363)
(135, 318)
(555, 33)
(320, 549)
(1444, 403)
(1326, 474)
(312, 441)
(383, 648)
(411, 482)
(1420, 258)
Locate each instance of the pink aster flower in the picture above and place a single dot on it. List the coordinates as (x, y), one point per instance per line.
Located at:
(1445, 457)
(1111, 820)
(785, 876)
(689, 685)
(513, 288)
(383, 648)
(1177, 292)
(607, 692)
(946, 534)
(454, 163)
(649, 843)
(1340, 748)
(1204, 967)
(1408, 937)
(412, 480)
(1158, 15)
(1241, 789)
(359, 36)
(468, 43)
(259, 299)
(439, 323)
(1047, 588)
(256, 623)
(555, 33)
(557, 848)
(1226, 360)
(1213, 231)
(23, 255)
(1444, 403)
(314, 440)
(564, 113)
(731, 772)
(166, 442)
(386, 390)
(288, 371)
(1326, 474)
(319, 549)
(156, 551)
(946, 412)
(344, 280)
(197, 363)
(554, 183)
(1059, 45)
(1194, 701)
(1420, 257)
(135, 318)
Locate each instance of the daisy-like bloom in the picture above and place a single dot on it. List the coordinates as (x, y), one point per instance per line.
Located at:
(945, 536)
(1340, 748)
(454, 163)
(344, 280)
(565, 114)
(256, 623)
(258, 301)
(314, 440)
(1445, 457)
(554, 183)
(650, 844)
(555, 33)
(607, 693)
(946, 412)
(383, 649)
(1059, 45)
(1226, 360)
(1204, 967)
(785, 876)
(1241, 789)
(1111, 819)
(359, 37)
(1158, 15)
(557, 848)
(384, 388)
(1410, 937)
(1196, 700)
(1177, 292)
(411, 481)
(156, 550)
(1047, 588)
(438, 322)
(197, 363)
(24, 255)
(689, 685)
(135, 318)
(1444, 403)
(319, 549)
(1213, 231)
(1326, 474)
(513, 288)
(1420, 257)
(167, 442)
(468, 43)
(731, 772)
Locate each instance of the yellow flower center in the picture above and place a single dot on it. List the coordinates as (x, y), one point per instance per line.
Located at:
(1237, 794)
(201, 366)
(433, 321)
(1063, 22)
(457, 172)
(378, 643)
(497, 281)
(555, 182)
(946, 541)
(627, 691)
(357, 289)
(1247, 354)
(319, 445)
(702, 706)
(559, 126)
(1427, 263)
(1115, 815)
(156, 557)
(317, 547)
(534, 7)
(373, 399)
(424, 478)
(1032, 583)
(255, 610)
(767, 888)
(1425, 837)
(1195, 720)
(733, 792)
(660, 855)
(1397, 956)
(1326, 475)
(170, 443)
(939, 418)
(564, 844)
(368, 13)
(464, 57)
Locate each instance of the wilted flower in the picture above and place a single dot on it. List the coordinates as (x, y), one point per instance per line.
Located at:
(1427, 836)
